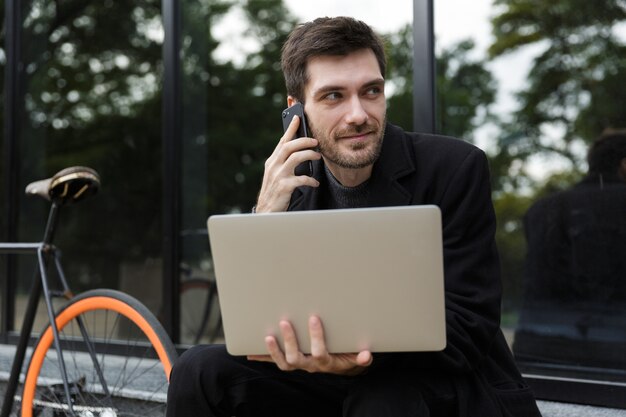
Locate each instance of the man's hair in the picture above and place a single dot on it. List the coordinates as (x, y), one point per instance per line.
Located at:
(606, 153)
(338, 36)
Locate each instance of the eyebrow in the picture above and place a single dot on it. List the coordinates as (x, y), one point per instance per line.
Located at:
(329, 88)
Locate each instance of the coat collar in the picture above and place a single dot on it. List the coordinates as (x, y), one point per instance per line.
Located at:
(396, 161)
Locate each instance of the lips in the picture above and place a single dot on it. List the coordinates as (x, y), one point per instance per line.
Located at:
(355, 135)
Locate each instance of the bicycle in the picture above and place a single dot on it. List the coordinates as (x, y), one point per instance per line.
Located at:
(80, 366)
(201, 320)
(200, 316)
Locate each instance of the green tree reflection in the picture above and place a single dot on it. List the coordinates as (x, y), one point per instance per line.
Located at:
(573, 92)
(93, 97)
(92, 74)
(574, 87)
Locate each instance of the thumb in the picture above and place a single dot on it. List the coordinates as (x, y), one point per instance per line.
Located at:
(364, 358)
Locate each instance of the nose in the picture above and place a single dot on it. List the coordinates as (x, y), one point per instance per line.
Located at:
(356, 114)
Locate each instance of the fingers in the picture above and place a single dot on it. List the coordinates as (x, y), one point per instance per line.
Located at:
(279, 180)
(318, 341)
(292, 358)
(320, 360)
(291, 130)
(292, 351)
(260, 358)
(275, 196)
(327, 362)
(295, 151)
(277, 356)
(289, 360)
(364, 358)
(295, 158)
(287, 147)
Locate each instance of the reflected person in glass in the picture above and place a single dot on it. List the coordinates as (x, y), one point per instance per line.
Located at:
(574, 308)
(336, 68)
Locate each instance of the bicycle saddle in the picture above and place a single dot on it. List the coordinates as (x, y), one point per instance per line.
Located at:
(67, 186)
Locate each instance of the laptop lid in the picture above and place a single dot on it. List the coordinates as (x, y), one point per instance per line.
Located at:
(374, 276)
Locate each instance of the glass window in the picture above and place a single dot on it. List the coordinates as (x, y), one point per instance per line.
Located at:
(535, 84)
(92, 96)
(3, 174)
(233, 95)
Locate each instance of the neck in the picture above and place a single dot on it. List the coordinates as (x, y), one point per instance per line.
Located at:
(349, 177)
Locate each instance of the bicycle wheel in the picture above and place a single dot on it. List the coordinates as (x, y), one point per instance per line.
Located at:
(200, 311)
(133, 352)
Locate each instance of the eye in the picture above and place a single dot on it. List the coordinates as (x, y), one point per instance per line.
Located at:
(374, 90)
(332, 96)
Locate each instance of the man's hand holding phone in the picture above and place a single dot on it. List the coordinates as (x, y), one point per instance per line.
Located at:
(279, 178)
(297, 109)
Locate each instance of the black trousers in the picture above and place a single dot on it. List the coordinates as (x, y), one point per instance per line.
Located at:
(207, 381)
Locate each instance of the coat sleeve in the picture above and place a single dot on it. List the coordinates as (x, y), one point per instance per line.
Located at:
(471, 267)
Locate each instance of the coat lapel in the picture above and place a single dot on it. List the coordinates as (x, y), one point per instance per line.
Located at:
(308, 198)
(396, 161)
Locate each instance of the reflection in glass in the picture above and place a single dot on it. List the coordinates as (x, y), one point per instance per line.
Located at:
(228, 100)
(574, 310)
(558, 69)
(233, 96)
(3, 168)
(92, 97)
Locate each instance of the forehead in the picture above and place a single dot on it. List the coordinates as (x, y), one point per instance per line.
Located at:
(345, 71)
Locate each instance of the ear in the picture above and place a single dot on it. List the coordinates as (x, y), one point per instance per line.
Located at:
(291, 101)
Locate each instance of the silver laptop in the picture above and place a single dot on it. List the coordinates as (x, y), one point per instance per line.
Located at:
(374, 276)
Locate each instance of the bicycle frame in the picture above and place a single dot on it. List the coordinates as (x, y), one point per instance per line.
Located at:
(45, 251)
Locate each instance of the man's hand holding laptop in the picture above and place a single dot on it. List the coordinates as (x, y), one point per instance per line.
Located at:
(320, 360)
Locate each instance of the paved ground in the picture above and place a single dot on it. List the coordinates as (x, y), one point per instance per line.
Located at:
(147, 384)
(548, 409)
(553, 409)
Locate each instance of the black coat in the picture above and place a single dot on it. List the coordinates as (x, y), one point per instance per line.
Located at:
(575, 291)
(415, 169)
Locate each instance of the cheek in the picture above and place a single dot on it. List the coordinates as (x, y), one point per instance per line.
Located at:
(320, 126)
(377, 110)
(321, 135)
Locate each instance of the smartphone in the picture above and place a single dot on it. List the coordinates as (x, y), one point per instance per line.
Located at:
(305, 168)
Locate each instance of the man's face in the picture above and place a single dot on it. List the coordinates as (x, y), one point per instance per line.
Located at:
(345, 106)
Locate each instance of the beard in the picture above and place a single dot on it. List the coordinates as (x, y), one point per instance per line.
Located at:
(360, 154)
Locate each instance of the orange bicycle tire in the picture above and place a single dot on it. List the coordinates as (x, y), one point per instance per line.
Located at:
(90, 301)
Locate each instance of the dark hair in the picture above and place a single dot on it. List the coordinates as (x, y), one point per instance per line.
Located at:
(606, 153)
(325, 36)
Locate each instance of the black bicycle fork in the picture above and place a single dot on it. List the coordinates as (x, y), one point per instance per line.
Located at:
(45, 251)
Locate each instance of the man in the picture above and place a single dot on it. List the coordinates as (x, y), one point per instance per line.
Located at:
(336, 68)
(574, 308)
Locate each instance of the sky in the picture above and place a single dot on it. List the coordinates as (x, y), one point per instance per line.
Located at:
(376, 13)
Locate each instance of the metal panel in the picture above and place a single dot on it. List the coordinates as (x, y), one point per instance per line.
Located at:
(423, 67)
(12, 112)
(171, 166)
